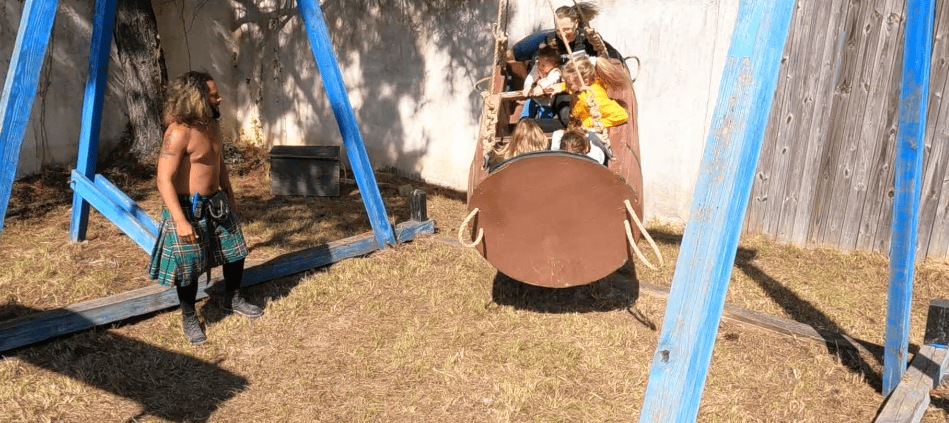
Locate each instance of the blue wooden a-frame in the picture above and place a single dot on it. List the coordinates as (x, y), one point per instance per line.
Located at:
(89, 188)
(680, 363)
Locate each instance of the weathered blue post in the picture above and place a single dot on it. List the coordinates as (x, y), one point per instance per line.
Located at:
(92, 110)
(19, 90)
(336, 91)
(914, 94)
(680, 364)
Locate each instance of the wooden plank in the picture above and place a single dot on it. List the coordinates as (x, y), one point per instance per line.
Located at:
(845, 74)
(123, 201)
(845, 187)
(910, 399)
(861, 208)
(871, 232)
(43, 325)
(103, 21)
(914, 93)
(774, 144)
(797, 216)
(935, 191)
(788, 171)
(19, 90)
(680, 364)
(122, 219)
(343, 110)
(780, 325)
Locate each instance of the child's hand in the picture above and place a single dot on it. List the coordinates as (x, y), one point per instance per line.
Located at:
(526, 92)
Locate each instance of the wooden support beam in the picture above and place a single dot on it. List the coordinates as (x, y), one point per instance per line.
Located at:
(19, 90)
(343, 110)
(680, 363)
(142, 232)
(43, 325)
(92, 111)
(917, 53)
(910, 398)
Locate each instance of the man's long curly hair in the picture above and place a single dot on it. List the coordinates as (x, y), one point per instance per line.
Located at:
(188, 100)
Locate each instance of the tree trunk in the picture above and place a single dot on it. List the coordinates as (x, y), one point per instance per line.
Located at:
(140, 54)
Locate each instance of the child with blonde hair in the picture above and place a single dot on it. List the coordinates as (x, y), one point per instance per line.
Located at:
(527, 138)
(598, 75)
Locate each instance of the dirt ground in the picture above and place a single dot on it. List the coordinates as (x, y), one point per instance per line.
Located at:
(426, 331)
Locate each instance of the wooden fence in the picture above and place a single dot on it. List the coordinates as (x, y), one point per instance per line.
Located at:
(825, 174)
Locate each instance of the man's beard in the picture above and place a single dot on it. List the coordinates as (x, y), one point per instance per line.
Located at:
(216, 113)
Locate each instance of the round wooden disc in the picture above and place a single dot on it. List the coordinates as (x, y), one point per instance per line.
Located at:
(552, 219)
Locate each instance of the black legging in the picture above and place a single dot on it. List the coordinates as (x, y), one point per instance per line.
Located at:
(233, 275)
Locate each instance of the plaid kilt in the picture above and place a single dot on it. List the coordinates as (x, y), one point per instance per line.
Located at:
(175, 262)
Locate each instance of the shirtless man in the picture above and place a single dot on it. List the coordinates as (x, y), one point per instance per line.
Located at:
(199, 228)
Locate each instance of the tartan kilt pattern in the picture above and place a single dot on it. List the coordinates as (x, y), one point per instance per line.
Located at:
(177, 263)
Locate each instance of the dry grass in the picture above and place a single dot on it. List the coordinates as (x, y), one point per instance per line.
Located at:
(427, 331)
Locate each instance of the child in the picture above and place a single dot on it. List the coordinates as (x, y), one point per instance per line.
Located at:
(583, 71)
(541, 83)
(527, 137)
(576, 140)
(595, 73)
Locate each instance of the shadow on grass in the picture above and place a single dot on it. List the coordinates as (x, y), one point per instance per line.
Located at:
(166, 384)
(619, 290)
(801, 311)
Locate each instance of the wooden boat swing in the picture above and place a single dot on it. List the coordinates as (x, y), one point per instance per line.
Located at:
(552, 218)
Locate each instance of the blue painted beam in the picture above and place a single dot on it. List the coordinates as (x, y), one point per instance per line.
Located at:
(117, 197)
(343, 110)
(914, 95)
(19, 90)
(40, 326)
(140, 233)
(680, 364)
(92, 110)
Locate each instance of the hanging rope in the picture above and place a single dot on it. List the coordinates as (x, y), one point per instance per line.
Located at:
(642, 230)
(489, 115)
(464, 224)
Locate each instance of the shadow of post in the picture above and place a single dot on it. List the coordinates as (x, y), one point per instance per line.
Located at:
(802, 311)
(166, 384)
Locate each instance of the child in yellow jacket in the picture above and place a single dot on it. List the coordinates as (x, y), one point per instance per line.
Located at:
(583, 71)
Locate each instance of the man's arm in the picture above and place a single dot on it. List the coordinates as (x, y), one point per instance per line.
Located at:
(173, 151)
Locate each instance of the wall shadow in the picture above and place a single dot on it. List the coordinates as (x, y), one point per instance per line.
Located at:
(804, 312)
(166, 384)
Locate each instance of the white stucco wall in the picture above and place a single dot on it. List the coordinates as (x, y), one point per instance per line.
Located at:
(410, 69)
(52, 135)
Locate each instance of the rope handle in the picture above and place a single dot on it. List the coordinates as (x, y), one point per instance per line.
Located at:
(464, 224)
(629, 237)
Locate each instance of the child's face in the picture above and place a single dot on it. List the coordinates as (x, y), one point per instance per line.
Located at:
(544, 66)
(573, 81)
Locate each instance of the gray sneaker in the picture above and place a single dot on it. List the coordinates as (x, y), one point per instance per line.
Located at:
(192, 328)
(239, 305)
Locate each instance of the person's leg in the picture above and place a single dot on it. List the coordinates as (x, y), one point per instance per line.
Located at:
(233, 275)
(190, 324)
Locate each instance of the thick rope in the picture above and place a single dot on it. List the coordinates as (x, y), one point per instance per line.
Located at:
(642, 230)
(461, 230)
(597, 41)
(489, 123)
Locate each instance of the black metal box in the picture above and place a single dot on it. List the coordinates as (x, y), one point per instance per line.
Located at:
(311, 170)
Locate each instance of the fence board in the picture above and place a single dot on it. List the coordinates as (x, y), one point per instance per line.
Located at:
(876, 80)
(933, 225)
(826, 172)
(847, 71)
